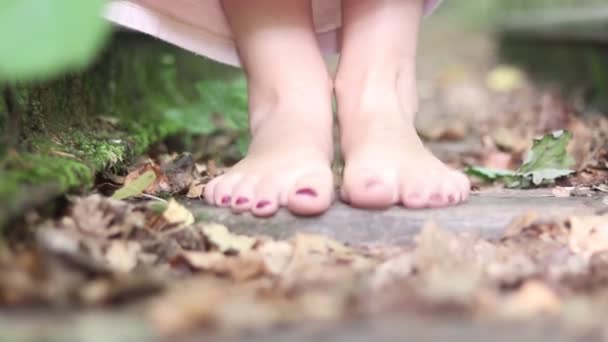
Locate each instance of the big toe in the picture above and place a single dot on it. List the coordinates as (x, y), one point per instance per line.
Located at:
(312, 194)
(368, 190)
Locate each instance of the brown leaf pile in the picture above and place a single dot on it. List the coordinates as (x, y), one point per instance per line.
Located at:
(174, 174)
(203, 276)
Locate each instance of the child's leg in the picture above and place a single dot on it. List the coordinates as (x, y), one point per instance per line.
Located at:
(289, 159)
(386, 162)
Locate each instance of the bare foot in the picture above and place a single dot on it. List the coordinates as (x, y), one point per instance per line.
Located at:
(387, 164)
(288, 165)
(290, 116)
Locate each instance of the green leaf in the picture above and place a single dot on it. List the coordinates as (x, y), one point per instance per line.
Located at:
(136, 187)
(548, 159)
(488, 174)
(41, 38)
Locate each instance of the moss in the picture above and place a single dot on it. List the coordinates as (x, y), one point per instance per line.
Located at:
(31, 168)
(80, 124)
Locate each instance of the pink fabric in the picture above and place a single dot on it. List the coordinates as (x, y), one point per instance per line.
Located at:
(201, 27)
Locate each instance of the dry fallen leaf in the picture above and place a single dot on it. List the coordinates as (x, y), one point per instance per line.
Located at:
(511, 140)
(196, 189)
(588, 234)
(225, 241)
(560, 191)
(392, 271)
(160, 182)
(122, 255)
(276, 255)
(178, 215)
(532, 299)
(245, 266)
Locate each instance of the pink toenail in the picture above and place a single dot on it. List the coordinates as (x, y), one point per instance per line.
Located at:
(262, 204)
(307, 192)
(241, 200)
(226, 199)
(436, 197)
(414, 195)
(372, 183)
(451, 199)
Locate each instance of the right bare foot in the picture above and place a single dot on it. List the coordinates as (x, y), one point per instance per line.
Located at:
(290, 94)
(288, 164)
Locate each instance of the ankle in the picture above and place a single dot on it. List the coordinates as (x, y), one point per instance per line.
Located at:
(290, 103)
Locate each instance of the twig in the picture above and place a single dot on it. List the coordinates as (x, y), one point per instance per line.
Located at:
(154, 198)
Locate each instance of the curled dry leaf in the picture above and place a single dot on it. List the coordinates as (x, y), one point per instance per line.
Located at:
(196, 189)
(102, 217)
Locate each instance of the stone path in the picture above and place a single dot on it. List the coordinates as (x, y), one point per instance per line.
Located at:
(488, 213)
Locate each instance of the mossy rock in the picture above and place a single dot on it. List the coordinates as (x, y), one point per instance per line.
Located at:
(57, 135)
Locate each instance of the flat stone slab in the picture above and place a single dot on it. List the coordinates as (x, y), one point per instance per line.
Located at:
(487, 213)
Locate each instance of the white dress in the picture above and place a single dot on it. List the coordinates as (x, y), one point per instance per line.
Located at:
(201, 26)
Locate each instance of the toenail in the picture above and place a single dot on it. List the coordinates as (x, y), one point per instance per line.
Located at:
(307, 192)
(241, 200)
(226, 199)
(414, 195)
(372, 183)
(451, 198)
(262, 204)
(436, 197)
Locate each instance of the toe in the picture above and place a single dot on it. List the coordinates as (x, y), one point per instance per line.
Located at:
(413, 195)
(312, 194)
(453, 194)
(464, 185)
(266, 199)
(209, 192)
(368, 190)
(222, 195)
(437, 197)
(243, 195)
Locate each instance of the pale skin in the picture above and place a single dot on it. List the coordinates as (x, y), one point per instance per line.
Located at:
(290, 94)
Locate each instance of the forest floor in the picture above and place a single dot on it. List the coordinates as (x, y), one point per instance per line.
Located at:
(153, 262)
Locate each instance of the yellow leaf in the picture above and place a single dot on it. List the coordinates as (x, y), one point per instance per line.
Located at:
(178, 214)
(225, 241)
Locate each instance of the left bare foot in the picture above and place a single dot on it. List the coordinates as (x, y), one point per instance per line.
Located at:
(386, 162)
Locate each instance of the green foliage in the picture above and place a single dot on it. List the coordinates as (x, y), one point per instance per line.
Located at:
(42, 38)
(220, 107)
(136, 187)
(23, 169)
(547, 161)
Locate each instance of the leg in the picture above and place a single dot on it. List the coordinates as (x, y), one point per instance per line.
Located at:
(386, 162)
(288, 163)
